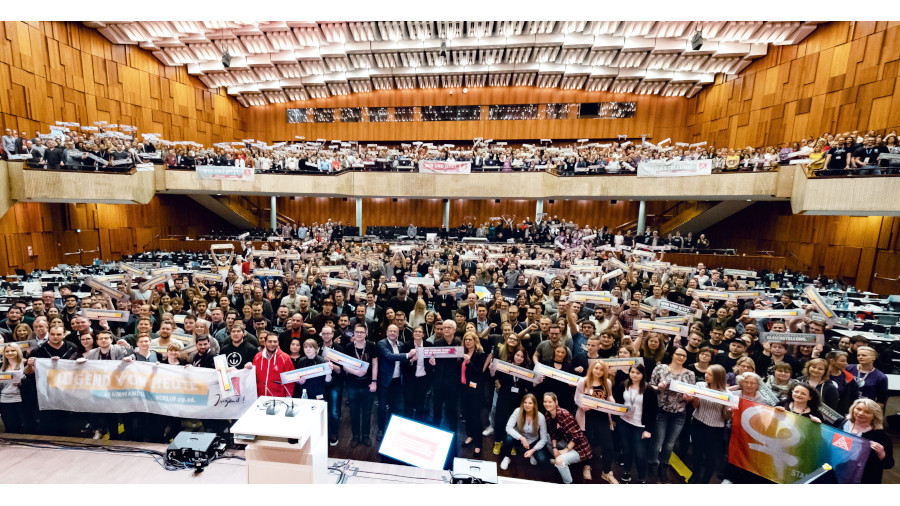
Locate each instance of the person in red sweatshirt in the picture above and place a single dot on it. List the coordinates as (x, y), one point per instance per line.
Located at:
(269, 363)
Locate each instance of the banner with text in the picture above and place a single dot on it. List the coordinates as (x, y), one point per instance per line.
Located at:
(439, 167)
(225, 173)
(139, 387)
(675, 168)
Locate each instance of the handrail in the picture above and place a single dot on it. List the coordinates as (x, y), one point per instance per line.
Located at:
(804, 264)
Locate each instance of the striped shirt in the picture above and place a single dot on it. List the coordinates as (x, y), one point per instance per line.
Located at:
(710, 413)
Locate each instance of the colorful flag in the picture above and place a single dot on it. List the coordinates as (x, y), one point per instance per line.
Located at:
(785, 448)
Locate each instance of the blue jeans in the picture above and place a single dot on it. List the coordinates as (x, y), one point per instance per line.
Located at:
(634, 448)
(668, 427)
(542, 456)
(360, 410)
(333, 398)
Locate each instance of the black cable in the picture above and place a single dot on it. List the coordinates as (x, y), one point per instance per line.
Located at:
(159, 457)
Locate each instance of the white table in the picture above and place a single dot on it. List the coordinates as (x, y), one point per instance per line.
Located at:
(871, 336)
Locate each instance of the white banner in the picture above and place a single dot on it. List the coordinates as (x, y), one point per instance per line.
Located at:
(439, 167)
(225, 173)
(675, 168)
(101, 386)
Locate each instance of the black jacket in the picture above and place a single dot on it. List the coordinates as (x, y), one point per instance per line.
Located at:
(648, 409)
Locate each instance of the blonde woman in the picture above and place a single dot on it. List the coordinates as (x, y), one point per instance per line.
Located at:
(866, 420)
(475, 363)
(597, 426)
(12, 409)
(708, 426)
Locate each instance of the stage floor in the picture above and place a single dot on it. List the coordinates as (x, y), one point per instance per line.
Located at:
(29, 465)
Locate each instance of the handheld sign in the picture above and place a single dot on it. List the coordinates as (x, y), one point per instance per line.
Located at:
(813, 295)
(221, 363)
(551, 372)
(345, 361)
(442, 351)
(739, 273)
(662, 328)
(792, 338)
(588, 402)
(313, 371)
(513, 370)
(719, 397)
(775, 313)
(618, 364)
(110, 315)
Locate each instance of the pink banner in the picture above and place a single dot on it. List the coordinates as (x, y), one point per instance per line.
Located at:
(439, 167)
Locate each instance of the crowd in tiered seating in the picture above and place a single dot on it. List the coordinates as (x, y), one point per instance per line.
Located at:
(828, 154)
(512, 302)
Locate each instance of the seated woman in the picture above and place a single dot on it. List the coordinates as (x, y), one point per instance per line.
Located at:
(567, 442)
(526, 430)
(866, 420)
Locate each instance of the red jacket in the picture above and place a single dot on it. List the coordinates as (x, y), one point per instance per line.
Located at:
(268, 372)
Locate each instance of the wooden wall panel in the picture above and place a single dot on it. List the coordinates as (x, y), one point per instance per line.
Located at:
(64, 71)
(842, 77)
(859, 250)
(51, 230)
(660, 117)
(430, 212)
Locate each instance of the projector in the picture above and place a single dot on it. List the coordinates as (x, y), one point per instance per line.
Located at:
(226, 59)
(696, 41)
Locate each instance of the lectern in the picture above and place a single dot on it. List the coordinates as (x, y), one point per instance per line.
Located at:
(289, 440)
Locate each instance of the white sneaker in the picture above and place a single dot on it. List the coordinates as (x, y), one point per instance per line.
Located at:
(505, 463)
(488, 431)
(97, 434)
(533, 461)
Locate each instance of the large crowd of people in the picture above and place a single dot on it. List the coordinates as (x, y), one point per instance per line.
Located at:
(847, 153)
(529, 315)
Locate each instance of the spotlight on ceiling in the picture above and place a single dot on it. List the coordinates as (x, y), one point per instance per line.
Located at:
(226, 59)
(697, 40)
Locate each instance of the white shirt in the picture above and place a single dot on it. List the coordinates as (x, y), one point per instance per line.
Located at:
(396, 364)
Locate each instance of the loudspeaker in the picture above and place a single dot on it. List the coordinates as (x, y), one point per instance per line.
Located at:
(552, 201)
(697, 40)
(613, 201)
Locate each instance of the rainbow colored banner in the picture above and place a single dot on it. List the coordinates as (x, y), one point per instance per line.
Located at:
(785, 448)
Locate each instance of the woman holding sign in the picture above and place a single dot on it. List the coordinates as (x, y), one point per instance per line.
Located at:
(639, 423)
(314, 388)
(670, 417)
(708, 426)
(475, 362)
(597, 426)
(510, 389)
(12, 409)
(567, 441)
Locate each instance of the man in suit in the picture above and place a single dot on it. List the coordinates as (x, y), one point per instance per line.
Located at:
(390, 387)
